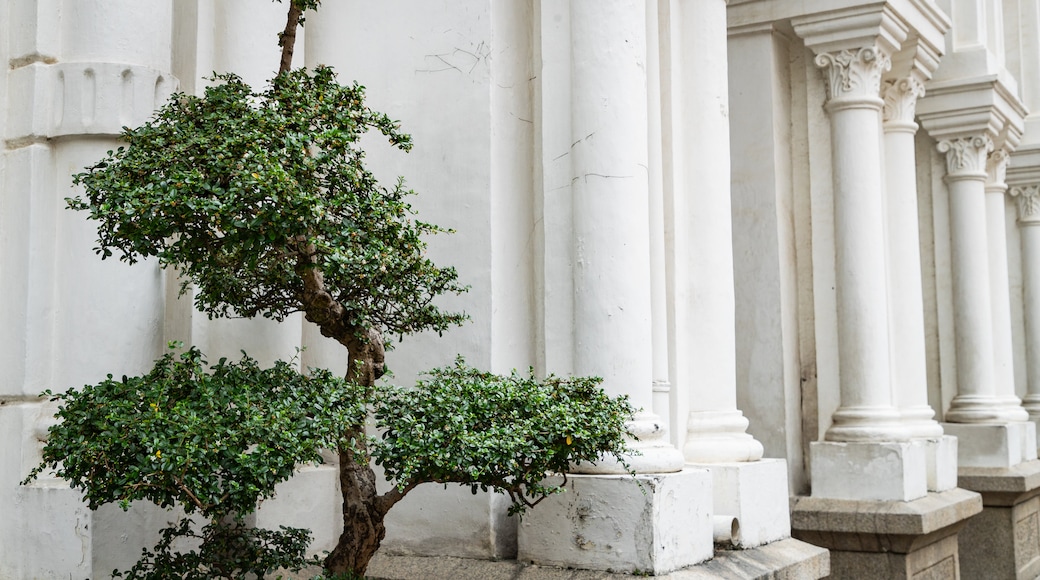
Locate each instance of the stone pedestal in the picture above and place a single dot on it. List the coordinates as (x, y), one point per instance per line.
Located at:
(653, 523)
(894, 471)
(755, 494)
(888, 539)
(1004, 540)
(1001, 445)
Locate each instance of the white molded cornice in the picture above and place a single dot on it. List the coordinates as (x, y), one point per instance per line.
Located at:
(923, 18)
(981, 105)
(1024, 167)
(852, 29)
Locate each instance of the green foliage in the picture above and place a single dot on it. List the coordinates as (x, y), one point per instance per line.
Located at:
(217, 439)
(215, 442)
(476, 428)
(228, 550)
(245, 192)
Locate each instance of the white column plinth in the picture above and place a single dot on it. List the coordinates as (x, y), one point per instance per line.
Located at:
(755, 493)
(869, 471)
(994, 445)
(941, 455)
(647, 524)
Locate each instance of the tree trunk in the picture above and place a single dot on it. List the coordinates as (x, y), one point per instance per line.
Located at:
(363, 510)
(363, 528)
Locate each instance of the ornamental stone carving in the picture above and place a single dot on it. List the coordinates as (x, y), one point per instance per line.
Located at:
(854, 74)
(966, 155)
(900, 98)
(1028, 197)
(996, 169)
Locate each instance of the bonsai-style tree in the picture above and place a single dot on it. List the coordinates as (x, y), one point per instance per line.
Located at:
(263, 203)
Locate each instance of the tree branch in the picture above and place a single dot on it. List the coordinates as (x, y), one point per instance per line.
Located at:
(287, 39)
(396, 494)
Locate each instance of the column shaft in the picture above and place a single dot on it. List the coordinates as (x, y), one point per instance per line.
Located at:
(716, 428)
(867, 412)
(1003, 355)
(909, 377)
(973, 315)
(611, 238)
(1028, 197)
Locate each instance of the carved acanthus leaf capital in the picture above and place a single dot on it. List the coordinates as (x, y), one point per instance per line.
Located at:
(854, 73)
(1028, 197)
(966, 155)
(996, 169)
(900, 97)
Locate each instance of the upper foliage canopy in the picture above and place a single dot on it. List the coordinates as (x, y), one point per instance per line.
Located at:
(245, 192)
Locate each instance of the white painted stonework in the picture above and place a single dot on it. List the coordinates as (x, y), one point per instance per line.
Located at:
(650, 524)
(804, 231)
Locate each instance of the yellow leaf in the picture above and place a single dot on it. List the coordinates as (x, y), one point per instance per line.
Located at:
(568, 440)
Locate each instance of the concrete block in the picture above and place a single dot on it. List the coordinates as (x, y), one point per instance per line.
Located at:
(996, 445)
(650, 523)
(869, 471)
(941, 455)
(756, 494)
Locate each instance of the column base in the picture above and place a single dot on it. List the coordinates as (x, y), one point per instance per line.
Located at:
(653, 453)
(995, 445)
(1004, 540)
(653, 523)
(941, 455)
(977, 409)
(868, 471)
(756, 494)
(720, 437)
(888, 539)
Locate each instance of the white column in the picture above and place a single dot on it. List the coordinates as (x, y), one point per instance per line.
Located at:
(705, 302)
(909, 376)
(867, 411)
(976, 400)
(1028, 197)
(611, 238)
(658, 265)
(1003, 355)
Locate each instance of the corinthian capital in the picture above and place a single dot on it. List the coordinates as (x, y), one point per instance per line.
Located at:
(900, 98)
(966, 155)
(1028, 197)
(854, 74)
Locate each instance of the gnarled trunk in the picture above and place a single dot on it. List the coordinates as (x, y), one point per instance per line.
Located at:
(363, 514)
